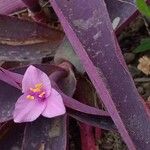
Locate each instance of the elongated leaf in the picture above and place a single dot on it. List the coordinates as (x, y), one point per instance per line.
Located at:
(143, 47)
(75, 105)
(8, 100)
(96, 121)
(10, 78)
(10, 6)
(25, 40)
(26, 33)
(121, 13)
(13, 139)
(90, 32)
(32, 53)
(46, 134)
(143, 7)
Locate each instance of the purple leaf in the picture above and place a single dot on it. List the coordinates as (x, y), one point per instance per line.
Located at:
(49, 134)
(68, 84)
(96, 121)
(75, 105)
(10, 77)
(30, 41)
(8, 97)
(121, 13)
(26, 33)
(13, 139)
(10, 6)
(27, 53)
(99, 55)
(7, 101)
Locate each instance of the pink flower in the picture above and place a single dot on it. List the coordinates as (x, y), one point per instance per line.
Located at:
(38, 98)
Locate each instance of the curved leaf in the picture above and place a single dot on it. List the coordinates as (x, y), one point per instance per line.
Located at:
(13, 136)
(143, 47)
(143, 7)
(10, 6)
(121, 13)
(96, 121)
(46, 134)
(90, 32)
(30, 41)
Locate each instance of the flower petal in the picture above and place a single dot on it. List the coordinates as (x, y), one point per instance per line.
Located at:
(55, 106)
(27, 110)
(34, 76)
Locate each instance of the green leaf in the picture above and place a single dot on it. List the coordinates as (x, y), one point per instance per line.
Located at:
(143, 47)
(143, 7)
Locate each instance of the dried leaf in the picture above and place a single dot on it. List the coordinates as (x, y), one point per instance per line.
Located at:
(144, 65)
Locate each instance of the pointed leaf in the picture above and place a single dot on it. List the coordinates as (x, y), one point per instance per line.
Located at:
(10, 6)
(96, 121)
(49, 134)
(30, 41)
(7, 101)
(143, 7)
(121, 13)
(13, 138)
(143, 47)
(90, 32)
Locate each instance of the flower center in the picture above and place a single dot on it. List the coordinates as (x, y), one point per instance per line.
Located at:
(36, 92)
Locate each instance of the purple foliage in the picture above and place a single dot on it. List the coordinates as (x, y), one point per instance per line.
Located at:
(101, 57)
(10, 6)
(49, 69)
(125, 11)
(22, 39)
(98, 54)
(51, 134)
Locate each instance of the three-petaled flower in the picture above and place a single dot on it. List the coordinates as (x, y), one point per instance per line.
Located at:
(38, 98)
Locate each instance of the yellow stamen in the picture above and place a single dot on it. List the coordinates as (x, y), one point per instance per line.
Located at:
(37, 88)
(39, 85)
(42, 94)
(30, 97)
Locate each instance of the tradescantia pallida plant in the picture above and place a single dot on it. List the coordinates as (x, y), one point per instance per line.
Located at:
(42, 95)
